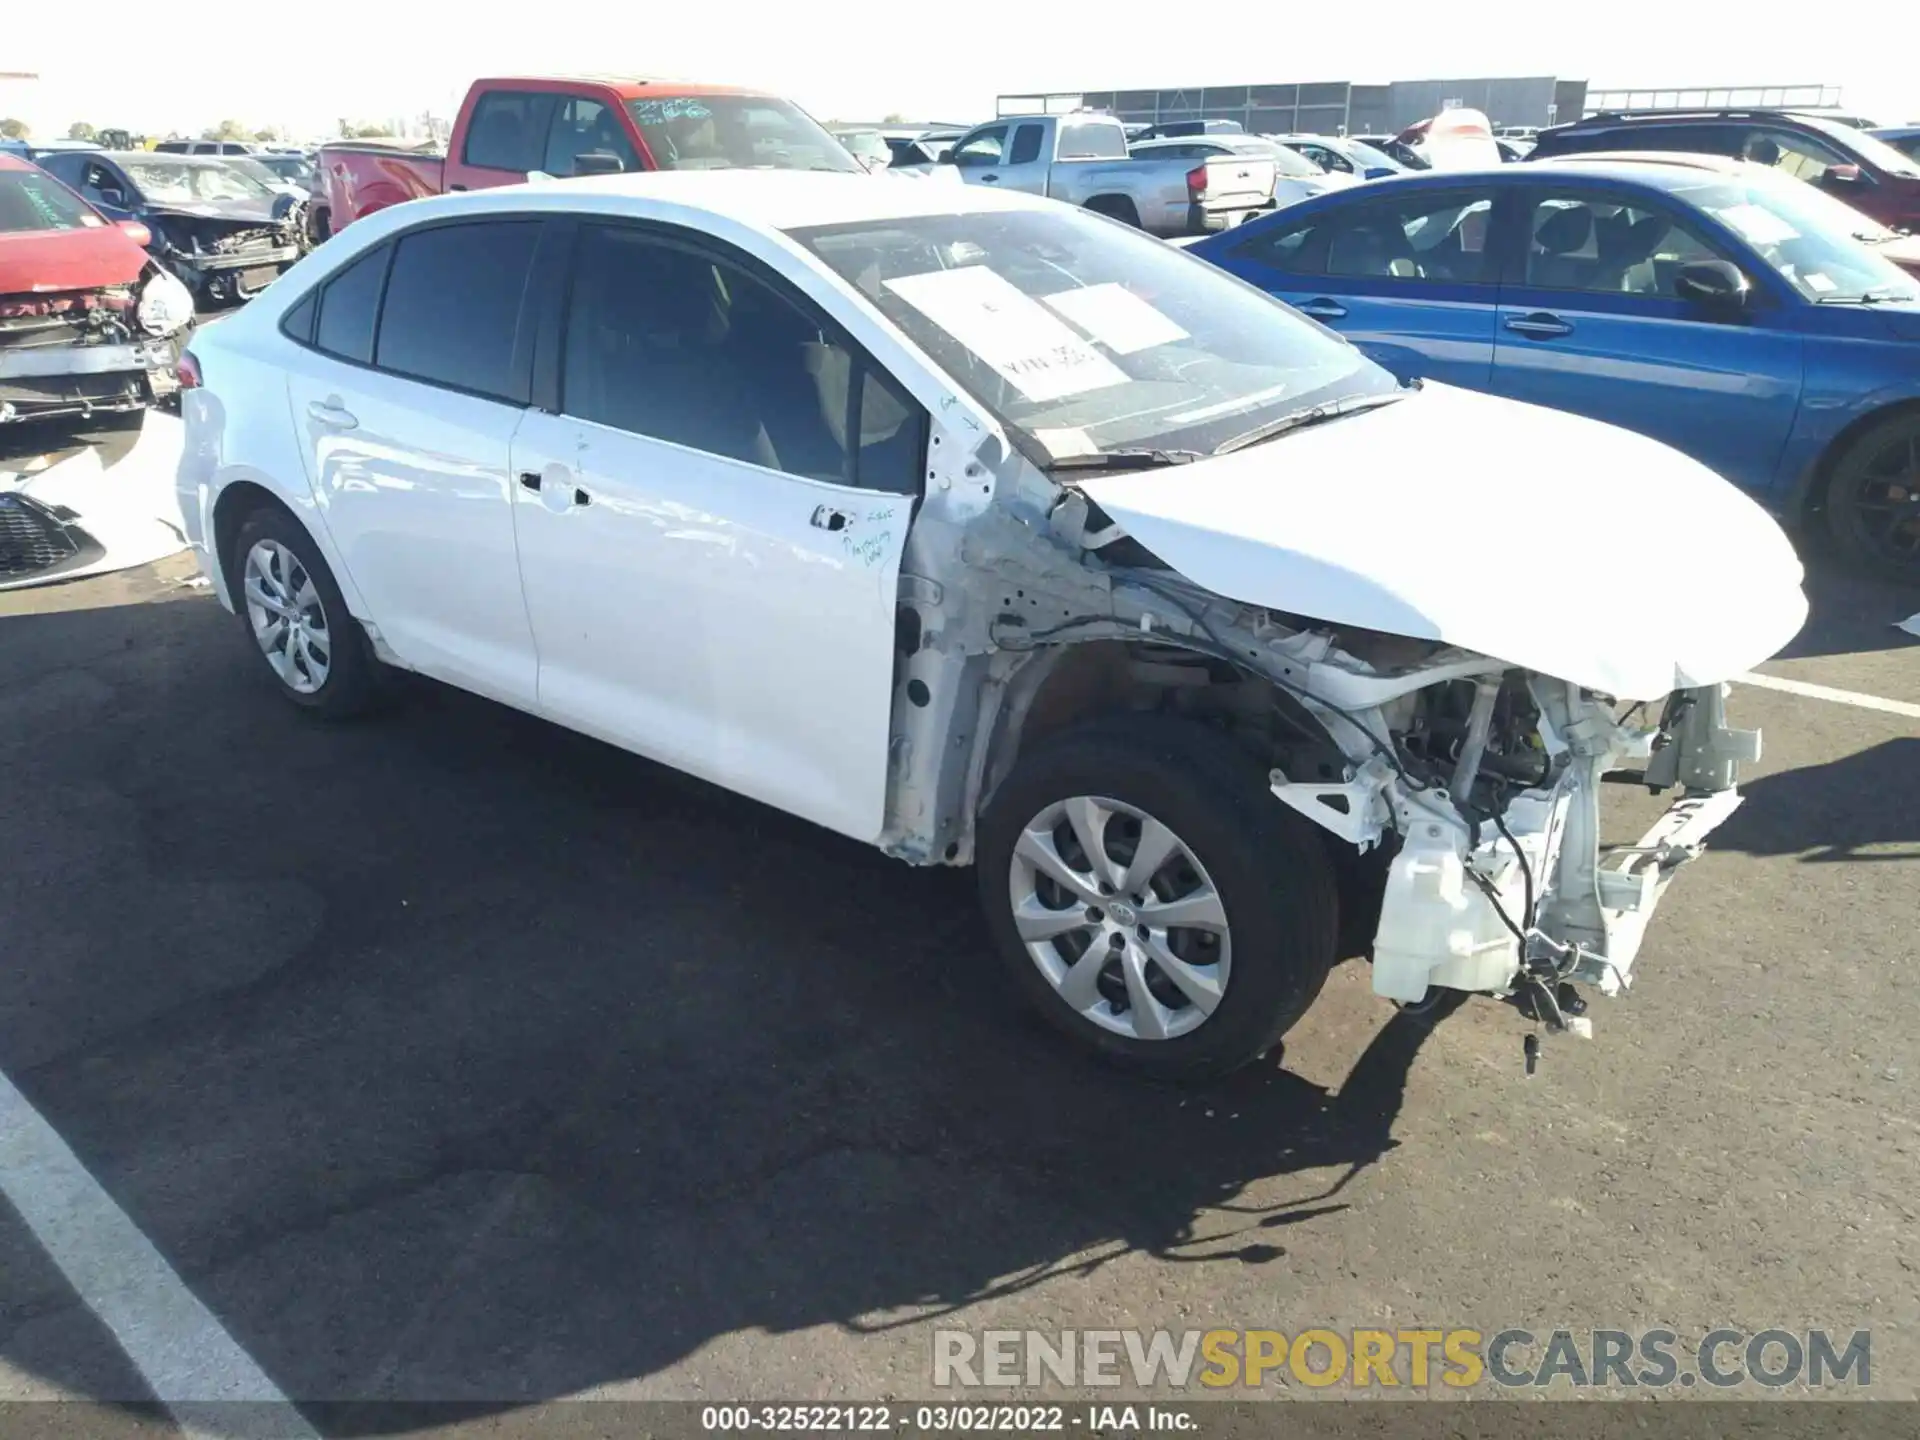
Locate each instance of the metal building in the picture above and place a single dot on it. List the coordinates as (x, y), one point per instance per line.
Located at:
(1337, 107)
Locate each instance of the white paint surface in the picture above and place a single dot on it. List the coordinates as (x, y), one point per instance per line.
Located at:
(1552, 542)
(193, 1366)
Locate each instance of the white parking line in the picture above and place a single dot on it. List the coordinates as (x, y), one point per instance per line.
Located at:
(1827, 692)
(194, 1367)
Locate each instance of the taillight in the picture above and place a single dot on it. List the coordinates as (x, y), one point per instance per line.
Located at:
(1197, 181)
(188, 370)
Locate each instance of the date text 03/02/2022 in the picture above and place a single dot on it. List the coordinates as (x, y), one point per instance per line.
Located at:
(941, 1418)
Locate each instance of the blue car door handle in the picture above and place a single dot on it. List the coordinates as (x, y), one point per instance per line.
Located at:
(1539, 326)
(1322, 308)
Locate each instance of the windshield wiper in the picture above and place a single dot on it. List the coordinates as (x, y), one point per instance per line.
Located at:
(1312, 415)
(1126, 460)
(1879, 295)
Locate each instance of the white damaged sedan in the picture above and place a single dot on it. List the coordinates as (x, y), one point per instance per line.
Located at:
(988, 531)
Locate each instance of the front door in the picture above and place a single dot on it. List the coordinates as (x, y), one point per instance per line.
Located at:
(1590, 322)
(407, 412)
(710, 528)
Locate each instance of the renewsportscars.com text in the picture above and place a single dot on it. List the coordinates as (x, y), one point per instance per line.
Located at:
(1221, 1360)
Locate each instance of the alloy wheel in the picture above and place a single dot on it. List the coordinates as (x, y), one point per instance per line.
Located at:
(1120, 917)
(289, 622)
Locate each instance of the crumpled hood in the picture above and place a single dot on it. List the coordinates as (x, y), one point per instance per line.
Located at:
(1555, 543)
(239, 212)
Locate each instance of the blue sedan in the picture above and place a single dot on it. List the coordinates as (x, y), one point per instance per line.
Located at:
(1719, 307)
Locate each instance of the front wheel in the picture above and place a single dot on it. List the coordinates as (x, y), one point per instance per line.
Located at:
(1873, 498)
(1152, 899)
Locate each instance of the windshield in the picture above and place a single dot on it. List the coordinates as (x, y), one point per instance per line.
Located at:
(1291, 163)
(171, 182)
(869, 147)
(30, 200)
(737, 132)
(1807, 236)
(1084, 337)
(1370, 158)
(1872, 149)
(253, 170)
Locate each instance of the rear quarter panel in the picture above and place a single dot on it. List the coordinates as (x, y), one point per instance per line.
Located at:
(360, 182)
(240, 431)
(1855, 370)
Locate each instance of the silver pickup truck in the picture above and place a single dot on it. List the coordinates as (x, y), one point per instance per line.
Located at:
(1082, 159)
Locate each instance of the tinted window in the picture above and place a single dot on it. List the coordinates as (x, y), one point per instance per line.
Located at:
(453, 306)
(1083, 140)
(1590, 243)
(298, 321)
(350, 305)
(667, 342)
(1026, 145)
(509, 129)
(1282, 249)
(1801, 156)
(582, 126)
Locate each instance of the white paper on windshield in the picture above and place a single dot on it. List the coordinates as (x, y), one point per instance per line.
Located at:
(1816, 281)
(1066, 441)
(1116, 317)
(1025, 343)
(1757, 224)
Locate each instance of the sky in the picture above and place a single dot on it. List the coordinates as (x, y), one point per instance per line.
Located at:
(369, 62)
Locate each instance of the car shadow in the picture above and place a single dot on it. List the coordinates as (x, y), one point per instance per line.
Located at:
(1849, 613)
(1852, 808)
(451, 1056)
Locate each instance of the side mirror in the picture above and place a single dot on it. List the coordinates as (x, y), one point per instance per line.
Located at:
(947, 157)
(114, 196)
(1716, 283)
(135, 232)
(1378, 172)
(598, 162)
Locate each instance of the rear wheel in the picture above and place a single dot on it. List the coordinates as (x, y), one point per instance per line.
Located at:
(296, 618)
(1873, 498)
(1151, 898)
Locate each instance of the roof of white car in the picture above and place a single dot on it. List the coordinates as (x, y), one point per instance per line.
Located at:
(772, 199)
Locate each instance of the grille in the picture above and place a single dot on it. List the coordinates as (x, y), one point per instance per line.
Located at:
(34, 543)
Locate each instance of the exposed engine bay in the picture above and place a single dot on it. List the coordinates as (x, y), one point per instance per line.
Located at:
(103, 350)
(1459, 794)
(224, 258)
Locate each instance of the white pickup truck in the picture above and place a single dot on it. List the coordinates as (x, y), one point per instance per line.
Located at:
(1082, 159)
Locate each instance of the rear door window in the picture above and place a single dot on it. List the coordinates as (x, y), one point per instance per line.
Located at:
(509, 130)
(1026, 145)
(350, 305)
(1084, 140)
(452, 309)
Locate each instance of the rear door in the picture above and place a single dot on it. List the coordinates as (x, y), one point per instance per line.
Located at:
(1589, 321)
(711, 508)
(407, 393)
(1409, 277)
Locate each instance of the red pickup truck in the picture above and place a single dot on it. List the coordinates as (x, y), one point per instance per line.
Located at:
(510, 128)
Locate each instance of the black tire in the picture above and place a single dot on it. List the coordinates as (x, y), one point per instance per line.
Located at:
(1880, 467)
(1272, 872)
(350, 687)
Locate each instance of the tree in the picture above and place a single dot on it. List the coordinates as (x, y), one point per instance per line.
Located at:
(15, 129)
(226, 130)
(266, 132)
(81, 130)
(895, 119)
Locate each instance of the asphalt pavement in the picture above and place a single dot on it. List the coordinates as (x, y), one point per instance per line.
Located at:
(452, 1056)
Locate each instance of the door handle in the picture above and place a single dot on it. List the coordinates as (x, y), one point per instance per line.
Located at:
(1322, 309)
(825, 517)
(456, 187)
(1539, 326)
(530, 480)
(332, 413)
(989, 179)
